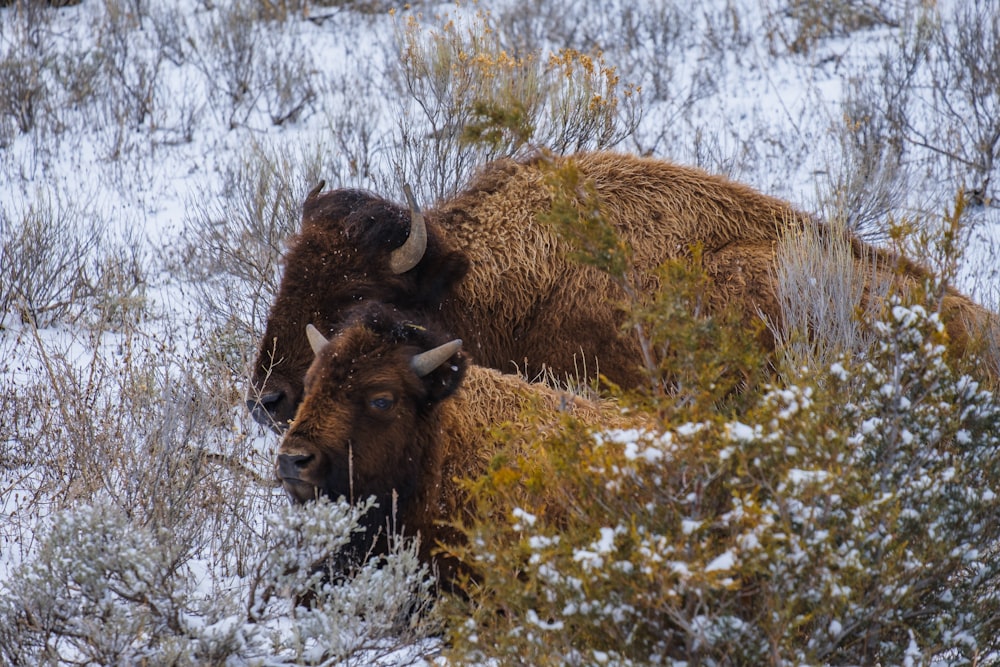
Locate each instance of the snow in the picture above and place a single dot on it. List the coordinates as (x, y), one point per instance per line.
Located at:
(768, 120)
(722, 563)
(523, 518)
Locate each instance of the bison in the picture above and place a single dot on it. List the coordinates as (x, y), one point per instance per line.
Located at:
(393, 409)
(484, 265)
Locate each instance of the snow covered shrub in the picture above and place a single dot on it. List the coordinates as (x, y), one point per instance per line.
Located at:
(100, 591)
(129, 427)
(250, 67)
(26, 56)
(937, 94)
(26, 91)
(298, 544)
(231, 56)
(106, 589)
(129, 85)
(370, 610)
(286, 81)
(849, 518)
(961, 118)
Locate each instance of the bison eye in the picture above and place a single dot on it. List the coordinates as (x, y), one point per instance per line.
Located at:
(382, 402)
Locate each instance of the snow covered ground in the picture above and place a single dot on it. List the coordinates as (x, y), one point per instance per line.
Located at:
(174, 141)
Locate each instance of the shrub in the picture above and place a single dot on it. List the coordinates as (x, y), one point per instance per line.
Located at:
(24, 58)
(393, 595)
(232, 245)
(60, 261)
(25, 90)
(474, 102)
(692, 350)
(868, 177)
(104, 589)
(846, 513)
(95, 590)
(850, 518)
(822, 287)
(939, 95)
(963, 121)
(163, 544)
(286, 81)
(799, 24)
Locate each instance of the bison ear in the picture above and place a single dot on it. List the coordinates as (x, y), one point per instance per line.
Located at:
(441, 369)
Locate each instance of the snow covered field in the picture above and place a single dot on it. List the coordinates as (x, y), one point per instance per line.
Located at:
(153, 156)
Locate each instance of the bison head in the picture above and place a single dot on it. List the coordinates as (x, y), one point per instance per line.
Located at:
(366, 426)
(352, 247)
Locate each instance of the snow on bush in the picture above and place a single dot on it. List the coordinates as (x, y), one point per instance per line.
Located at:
(849, 518)
(105, 590)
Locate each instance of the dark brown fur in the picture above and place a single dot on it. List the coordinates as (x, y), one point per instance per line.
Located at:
(503, 281)
(369, 426)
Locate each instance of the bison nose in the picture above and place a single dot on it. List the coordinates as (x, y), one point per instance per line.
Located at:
(264, 409)
(292, 466)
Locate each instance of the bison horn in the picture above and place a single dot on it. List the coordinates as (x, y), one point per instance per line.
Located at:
(317, 341)
(316, 190)
(408, 255)
(425, 362)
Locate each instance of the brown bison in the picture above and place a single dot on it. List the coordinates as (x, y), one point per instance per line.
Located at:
(393, 409)
(485, 266)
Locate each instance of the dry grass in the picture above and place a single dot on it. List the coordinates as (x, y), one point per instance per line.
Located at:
(825, 296)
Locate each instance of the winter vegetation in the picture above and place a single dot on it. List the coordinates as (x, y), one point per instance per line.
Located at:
(833, 504)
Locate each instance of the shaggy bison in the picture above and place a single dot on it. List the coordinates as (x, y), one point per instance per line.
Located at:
(393, 409)
(488, 269)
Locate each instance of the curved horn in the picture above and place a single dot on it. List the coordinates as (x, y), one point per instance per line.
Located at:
(317, 341)
(425, 362)
(408, 255)
(316, 190)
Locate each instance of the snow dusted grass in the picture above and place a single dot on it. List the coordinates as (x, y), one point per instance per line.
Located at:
(820, 288)
(63, 263)
(153, 156)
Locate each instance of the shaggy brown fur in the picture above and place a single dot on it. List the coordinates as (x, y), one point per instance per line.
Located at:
(503, 281)
(368, 425)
